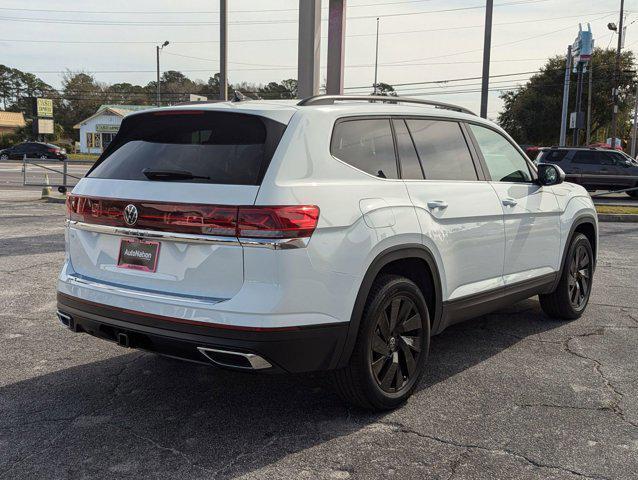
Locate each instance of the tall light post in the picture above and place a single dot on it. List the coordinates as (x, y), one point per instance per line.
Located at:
(614, 112)
(158, 48)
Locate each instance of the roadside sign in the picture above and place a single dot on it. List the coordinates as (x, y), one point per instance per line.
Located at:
(44, 126)
(106, 128)
(44, 107)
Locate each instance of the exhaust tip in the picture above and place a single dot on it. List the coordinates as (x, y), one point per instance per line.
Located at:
(232, 359)
(66, 320)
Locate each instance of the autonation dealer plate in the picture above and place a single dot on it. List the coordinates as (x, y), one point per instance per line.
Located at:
(138, 254)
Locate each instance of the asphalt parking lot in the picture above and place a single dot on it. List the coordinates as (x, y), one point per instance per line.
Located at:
(510, 395)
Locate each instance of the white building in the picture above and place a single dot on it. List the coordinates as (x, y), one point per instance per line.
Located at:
(97, 131)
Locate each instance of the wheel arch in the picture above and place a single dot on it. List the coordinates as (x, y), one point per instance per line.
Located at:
(399, 260)
(587, 225)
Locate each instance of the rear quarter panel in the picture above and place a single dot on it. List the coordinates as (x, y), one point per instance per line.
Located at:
(360, 215)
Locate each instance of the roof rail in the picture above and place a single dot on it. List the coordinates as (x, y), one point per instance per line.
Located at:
(331, 99)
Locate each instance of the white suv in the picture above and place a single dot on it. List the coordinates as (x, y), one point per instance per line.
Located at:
(336, 233)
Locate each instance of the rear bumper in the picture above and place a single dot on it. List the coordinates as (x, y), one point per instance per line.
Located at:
(287, 349)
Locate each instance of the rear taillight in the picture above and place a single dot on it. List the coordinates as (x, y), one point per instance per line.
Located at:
(277, 222)
(272, 222)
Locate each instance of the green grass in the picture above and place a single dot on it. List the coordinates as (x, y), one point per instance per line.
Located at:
(83, 156)
(617, 209)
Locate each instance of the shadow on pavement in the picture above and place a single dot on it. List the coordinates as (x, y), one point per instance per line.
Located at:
(138, 415)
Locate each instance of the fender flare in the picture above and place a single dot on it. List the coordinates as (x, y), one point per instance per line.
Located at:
(386, 257)
(580, 220)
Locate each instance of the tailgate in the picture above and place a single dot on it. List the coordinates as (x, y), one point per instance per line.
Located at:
(209, 267)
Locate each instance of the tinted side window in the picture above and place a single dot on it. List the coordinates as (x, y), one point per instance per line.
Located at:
(410, 165)
(504, 162)
(591, 158)
(553, 155)
(367, 145)
(442, 149)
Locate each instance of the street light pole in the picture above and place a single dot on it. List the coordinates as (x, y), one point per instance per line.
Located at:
(614, 112)
(487, 45)
(158, 48)
(376, 61)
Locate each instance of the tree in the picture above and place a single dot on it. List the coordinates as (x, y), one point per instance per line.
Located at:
(532, 114)
(386, 89)
(81, 97)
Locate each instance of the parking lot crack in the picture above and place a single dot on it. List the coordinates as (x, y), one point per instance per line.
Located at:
(495, 451)
(598, 368)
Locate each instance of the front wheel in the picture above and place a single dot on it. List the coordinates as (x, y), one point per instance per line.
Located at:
(391, 348)
(571, 296)
(4, 157)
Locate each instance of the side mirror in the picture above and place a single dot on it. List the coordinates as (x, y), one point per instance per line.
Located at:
(550, 174)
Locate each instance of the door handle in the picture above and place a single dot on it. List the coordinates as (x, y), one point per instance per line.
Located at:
(509, 202)
(433, 204)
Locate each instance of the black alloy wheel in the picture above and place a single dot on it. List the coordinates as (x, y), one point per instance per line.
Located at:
(569, 299)
(580, 274)
(396, 344)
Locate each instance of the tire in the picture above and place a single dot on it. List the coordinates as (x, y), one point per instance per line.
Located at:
(43, 157)
(633, 193)
(383, 353)
(568, 302)
(4, 157)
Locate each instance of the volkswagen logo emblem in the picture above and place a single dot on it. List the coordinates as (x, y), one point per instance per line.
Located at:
(130, 214)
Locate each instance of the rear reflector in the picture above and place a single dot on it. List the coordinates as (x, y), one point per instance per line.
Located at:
(285, 221)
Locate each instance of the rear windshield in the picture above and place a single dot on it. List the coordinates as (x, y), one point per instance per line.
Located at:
(191, 146)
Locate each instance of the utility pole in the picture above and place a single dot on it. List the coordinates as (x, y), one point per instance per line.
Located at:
(635, 128)
(563, 115)
(309, 47)
(579, 101)
(336, 46)
(487, 45)
(589, 93)
(376, 62)
(223, 50)
(614, 112)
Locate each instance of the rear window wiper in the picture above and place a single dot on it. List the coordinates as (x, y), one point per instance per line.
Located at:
(171, 175)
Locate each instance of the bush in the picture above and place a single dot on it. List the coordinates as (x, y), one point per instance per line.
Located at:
(8, 140)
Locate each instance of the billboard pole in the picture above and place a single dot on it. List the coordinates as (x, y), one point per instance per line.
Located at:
(563, 115)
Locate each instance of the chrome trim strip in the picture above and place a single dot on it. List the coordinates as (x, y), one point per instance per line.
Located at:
(273, 244)
(152, 234)
(256, 362)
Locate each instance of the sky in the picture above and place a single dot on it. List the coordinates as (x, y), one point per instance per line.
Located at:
(420, 40)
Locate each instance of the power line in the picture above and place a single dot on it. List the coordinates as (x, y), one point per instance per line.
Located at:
(244, 22)
(249, 40)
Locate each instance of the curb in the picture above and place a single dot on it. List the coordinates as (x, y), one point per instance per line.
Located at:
(617, 217)
(63, 200)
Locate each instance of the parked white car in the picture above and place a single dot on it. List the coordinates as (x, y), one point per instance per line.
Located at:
(336, 233)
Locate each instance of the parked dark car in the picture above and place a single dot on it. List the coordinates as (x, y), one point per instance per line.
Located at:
(33, 150)
(594, 168)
